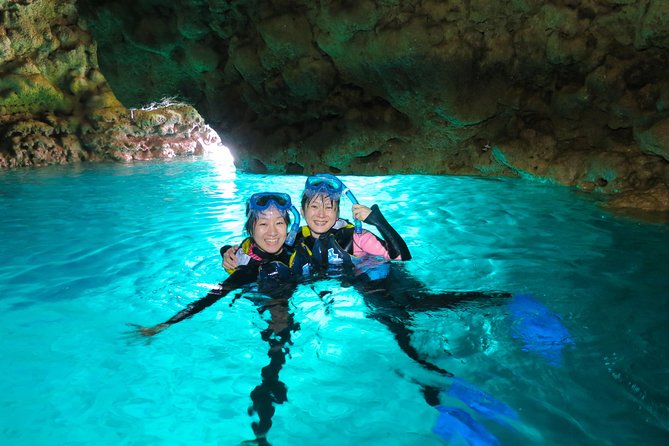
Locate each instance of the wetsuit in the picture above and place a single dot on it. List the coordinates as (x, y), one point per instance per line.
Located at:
(390, 291)
(277, 276)
(338, 245)
(271, 390)
(255, 265)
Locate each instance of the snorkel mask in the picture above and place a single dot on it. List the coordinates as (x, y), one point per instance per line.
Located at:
(262, 201)
(332, 187)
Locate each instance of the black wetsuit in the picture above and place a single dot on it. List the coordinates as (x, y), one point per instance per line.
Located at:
(276, 282)
(392, 296)
(272, 390)
(339, 241)
(260, 264)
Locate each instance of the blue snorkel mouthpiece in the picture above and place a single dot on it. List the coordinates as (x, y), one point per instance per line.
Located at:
(290, 239)
(332, 186)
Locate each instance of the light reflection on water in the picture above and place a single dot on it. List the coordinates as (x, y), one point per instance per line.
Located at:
(87, 249)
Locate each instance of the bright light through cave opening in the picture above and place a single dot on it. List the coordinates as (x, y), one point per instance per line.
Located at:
(215, 151)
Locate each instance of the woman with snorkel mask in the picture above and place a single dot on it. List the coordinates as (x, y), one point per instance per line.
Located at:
(332, 240)
(394, 296)
(265, 257)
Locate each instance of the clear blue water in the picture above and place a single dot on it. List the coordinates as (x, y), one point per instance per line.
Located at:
(85, 250)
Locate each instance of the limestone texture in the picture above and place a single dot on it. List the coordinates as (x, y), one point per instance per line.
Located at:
(56, 107)
(573, 92)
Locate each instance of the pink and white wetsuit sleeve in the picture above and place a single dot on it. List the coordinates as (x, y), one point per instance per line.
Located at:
(366, 243)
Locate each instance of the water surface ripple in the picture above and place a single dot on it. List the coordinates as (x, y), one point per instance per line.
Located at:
(87, 249)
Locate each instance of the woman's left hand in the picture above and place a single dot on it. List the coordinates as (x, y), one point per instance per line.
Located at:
(361, 212)
(148, 331)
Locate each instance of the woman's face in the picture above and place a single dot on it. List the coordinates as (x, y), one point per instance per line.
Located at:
(321, 214)
(269, 231)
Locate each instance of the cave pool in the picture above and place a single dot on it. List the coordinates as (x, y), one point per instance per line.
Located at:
(578, 356)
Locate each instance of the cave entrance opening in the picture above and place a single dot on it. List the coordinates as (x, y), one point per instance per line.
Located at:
(220, 154)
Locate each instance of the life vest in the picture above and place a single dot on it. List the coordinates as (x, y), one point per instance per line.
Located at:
(273, 267)
(330, 249)
(334, 250)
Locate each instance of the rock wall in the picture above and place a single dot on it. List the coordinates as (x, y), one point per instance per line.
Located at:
(57, 107)
(566, 91)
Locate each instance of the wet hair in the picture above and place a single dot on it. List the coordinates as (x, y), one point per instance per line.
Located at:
(253, 218)
(308, 198)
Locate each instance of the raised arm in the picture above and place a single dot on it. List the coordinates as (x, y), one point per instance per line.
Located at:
(395, 244)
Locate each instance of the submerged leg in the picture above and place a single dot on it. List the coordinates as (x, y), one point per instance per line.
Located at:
(394, 298)
(402, 290)
(402, 334)
(271, 390)
(389, 304)
(433, 301)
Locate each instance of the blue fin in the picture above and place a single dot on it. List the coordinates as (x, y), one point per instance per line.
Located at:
(540, 329)
(480, 401)
(454, 423)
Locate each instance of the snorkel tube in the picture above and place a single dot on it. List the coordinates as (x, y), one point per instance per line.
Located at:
(351, 197)
(290, 239)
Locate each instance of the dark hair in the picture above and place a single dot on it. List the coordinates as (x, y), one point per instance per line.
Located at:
(253, 218)
(308, 198)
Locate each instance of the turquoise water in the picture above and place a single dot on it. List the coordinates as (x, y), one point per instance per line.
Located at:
(86, 250)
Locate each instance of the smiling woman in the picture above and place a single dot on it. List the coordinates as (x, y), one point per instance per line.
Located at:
(267, 222)
(262, 258)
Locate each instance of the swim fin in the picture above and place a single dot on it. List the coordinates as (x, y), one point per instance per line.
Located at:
(539, 328)
(454, 424)
(480, 401)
